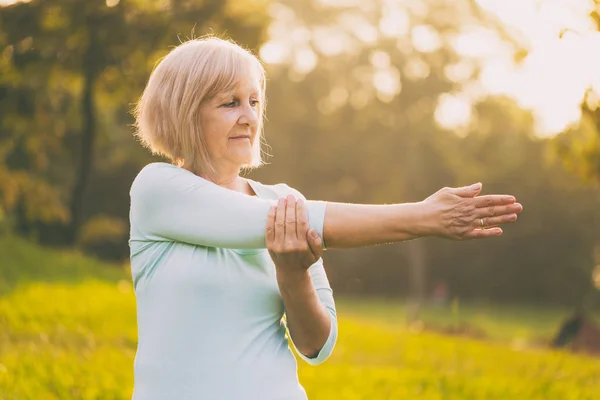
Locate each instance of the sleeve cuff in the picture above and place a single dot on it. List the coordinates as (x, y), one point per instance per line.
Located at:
(327, 348)
(316, 217)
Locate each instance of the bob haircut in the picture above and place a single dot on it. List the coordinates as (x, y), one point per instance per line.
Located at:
(167, 115)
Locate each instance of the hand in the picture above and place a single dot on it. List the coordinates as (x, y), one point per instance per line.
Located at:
(458, 213)
(292, 246)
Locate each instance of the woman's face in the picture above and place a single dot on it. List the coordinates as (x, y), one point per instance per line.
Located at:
(229, 124)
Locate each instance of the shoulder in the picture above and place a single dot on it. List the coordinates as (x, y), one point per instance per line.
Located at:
(276, 190)
(161, 176)
(159, 169)
(286, 190)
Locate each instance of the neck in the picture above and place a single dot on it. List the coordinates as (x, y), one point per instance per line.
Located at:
(229, 181)
(227, 178)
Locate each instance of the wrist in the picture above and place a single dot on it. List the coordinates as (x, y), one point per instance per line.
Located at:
(419, 220)
(292, 278)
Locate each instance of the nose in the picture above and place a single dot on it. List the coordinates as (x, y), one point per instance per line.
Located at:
(249, 116)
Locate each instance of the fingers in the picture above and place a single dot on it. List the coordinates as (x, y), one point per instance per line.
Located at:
(301, 219)
(498, 210)
(468, 191)
(270, 231)
(290, 219)
(483, 201)
(483, 233)
(288, 241)
(280, 221)
(492, 216)
(473, 215)
(315, 243)
(494, 200)
(489, 222)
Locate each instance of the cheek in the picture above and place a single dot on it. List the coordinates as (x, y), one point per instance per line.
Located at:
(217, 129)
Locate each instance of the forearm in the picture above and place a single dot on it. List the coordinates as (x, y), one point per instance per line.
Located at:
(357, 225)
(307, 319)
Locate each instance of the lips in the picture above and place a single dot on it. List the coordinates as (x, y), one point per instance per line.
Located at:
(240, 137)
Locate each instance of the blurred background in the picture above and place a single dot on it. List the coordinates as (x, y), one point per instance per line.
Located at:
(379, 101)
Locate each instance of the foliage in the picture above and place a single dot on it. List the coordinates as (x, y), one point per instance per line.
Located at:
(103, 235)
(579, 146)
(70, 74)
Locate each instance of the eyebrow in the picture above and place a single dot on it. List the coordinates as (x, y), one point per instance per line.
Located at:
(232, 93)
(226, 94)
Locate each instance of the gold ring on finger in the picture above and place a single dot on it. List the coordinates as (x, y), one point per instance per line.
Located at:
(481, 223)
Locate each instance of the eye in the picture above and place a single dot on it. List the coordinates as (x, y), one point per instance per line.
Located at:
(254, 103)
(231, 104)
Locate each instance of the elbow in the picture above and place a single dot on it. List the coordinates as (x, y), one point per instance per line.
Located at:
(311, 352)
(317, 359)
(319, 356)
(316, 356)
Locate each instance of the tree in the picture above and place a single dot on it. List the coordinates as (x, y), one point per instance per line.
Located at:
(579, 147)
(63, 56)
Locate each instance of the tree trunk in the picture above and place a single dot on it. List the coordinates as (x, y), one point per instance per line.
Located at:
(417, 258)
(86, 154)
(417, 275)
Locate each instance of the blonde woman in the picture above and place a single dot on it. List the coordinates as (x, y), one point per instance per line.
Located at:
(218, 259)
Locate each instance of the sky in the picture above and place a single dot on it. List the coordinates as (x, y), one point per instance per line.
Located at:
(553, 78)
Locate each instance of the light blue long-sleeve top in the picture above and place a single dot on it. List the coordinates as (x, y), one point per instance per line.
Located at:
(209, 309)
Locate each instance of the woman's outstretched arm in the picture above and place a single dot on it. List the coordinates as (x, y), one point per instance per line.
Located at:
(168, 203)
(449, 213)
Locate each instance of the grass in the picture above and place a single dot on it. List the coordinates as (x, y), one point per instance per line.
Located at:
(67, 331)
(513, 324)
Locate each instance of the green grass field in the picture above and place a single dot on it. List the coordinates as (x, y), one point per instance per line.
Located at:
(67, 331)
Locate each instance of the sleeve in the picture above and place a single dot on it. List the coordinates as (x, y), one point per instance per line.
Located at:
(299, 195)
(325, 294)
(172, 204)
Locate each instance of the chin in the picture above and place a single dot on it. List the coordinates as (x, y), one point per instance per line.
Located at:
(244, 161)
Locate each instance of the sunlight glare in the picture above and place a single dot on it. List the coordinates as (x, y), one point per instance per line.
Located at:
(330, 41)
(9, 2)
(395, 22)
(380, 59)
(387, 83)
(361, 27)
(426, 39)
(341, 3)
(479, 42)
(453, 111)
(459, 72)
(274, 52)
(416, 69)
(305, 60)
(596, 277)
(552, 79)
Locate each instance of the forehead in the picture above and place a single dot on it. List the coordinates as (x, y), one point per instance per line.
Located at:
(246, 82)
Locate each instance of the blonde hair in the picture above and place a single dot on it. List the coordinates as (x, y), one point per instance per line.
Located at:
(167, 115)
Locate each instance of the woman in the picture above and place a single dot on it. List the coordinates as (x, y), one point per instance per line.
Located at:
(218, 260)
